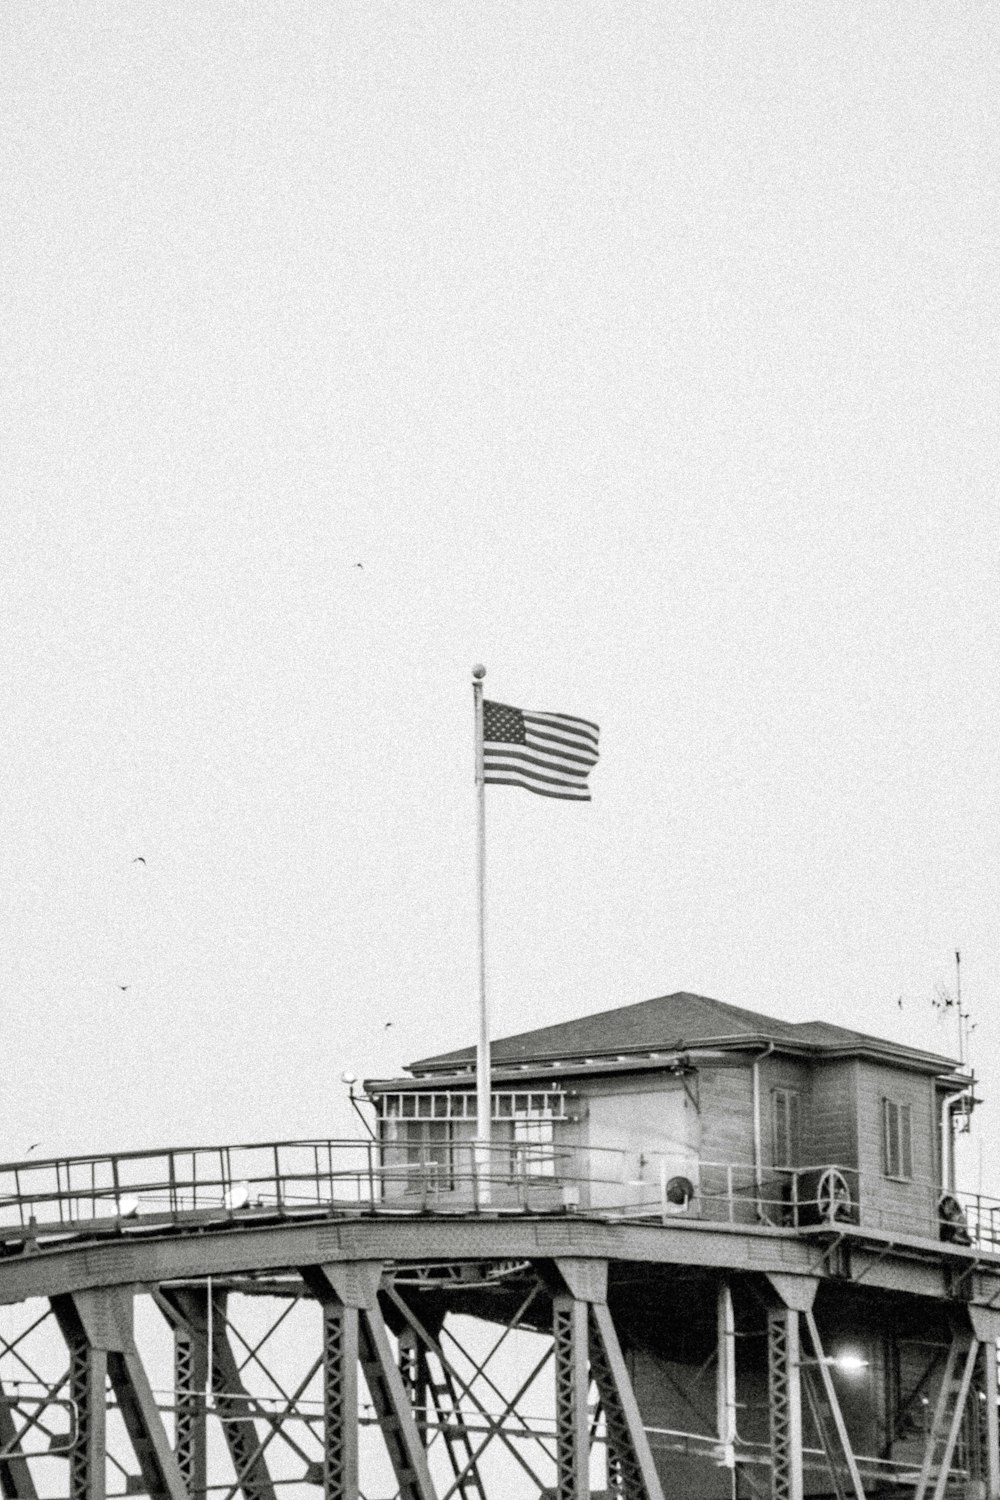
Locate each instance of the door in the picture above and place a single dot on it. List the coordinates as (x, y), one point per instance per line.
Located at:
(638, 1144)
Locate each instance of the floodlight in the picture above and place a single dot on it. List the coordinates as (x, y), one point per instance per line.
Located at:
(237, 1196)
(128, 1206)
(850, 1362)
(348, 1078)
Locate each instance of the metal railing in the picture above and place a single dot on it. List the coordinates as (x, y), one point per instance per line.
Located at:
(73, 1195)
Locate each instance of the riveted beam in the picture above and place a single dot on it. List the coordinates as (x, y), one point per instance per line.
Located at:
(633, 1464)
(986, 1327)
(206, 1318)
(785, 1400)
(190, 1384)
(88, 1378)
(101, 1321)
(16, 1482)
(340, 1401)
(354, 1286)
(569, 1333)
(237, 1249)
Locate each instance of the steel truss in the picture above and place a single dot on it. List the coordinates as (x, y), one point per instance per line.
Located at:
(223, 1417)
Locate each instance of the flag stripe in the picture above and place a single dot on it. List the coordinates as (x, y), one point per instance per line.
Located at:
(532, 786)
(553, 757)
(533, 737)
(570, 726)
(505, 761)
(534, 713)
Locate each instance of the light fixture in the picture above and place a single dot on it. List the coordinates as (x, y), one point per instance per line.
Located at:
(348, 1078)
(848, 1361)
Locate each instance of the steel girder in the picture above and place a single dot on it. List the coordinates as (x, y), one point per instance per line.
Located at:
(585, 1335)
(97, 1327)
(421, 1397)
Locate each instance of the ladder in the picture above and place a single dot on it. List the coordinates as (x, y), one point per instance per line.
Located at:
(434, 1388)
(829, 1420)
(948, 1413)
(451, 1425)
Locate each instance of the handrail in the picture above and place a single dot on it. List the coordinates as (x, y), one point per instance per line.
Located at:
(291, 1177)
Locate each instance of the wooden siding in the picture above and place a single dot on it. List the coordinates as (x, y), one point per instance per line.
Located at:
(886, 1203)
(725, 1100)
(785, 1073)
(833, 1135)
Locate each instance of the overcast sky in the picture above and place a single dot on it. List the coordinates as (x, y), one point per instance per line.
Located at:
(646, 352)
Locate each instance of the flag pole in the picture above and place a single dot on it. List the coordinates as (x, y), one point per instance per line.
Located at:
(483, 1111)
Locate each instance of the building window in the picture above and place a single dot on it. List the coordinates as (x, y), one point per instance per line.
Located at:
(427, 1151)
(506, 1105)
(897, 1140)
(533, 1153)
(427, 1138)
(785, 1113)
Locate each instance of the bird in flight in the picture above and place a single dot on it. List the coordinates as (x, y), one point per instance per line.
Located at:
(386, 1026)
(124, 986)
(361, 566)
(33, 1148)
(138, 860)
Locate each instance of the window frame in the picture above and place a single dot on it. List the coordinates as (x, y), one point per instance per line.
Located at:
(897, 1140)
(786, 1102)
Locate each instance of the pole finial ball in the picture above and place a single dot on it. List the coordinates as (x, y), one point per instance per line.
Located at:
(479, 673)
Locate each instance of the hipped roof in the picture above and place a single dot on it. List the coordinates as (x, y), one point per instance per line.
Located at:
(679, 1023)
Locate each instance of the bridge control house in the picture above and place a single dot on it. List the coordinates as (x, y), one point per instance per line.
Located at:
(686, 1105)
(724, 1130)
(727, 1254)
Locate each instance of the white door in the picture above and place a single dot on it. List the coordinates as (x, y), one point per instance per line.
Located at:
(637, 1143)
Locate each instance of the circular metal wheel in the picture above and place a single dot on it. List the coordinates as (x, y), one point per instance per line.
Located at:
(833, 1195)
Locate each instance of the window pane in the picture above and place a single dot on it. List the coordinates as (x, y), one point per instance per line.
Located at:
(891, 1138)
(905, 1141)
(794, 1133)
(785, 1127)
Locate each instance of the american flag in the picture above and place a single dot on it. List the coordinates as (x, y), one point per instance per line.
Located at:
(550, 754)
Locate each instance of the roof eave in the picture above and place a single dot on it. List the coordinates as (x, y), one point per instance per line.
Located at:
(925, 1062)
